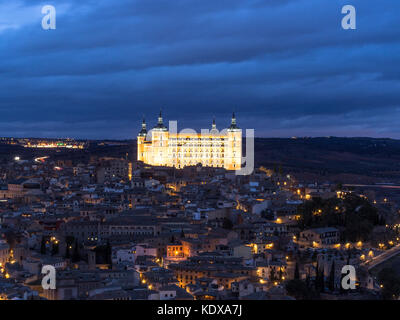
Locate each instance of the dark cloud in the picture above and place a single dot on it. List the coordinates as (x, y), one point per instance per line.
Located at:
(286, 67)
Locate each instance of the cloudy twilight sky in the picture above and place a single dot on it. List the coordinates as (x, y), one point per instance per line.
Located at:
(285, 66)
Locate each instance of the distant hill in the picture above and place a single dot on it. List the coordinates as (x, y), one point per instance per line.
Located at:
(351, 160)
(340, 159)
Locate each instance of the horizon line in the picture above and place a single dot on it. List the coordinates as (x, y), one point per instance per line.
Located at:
(260, 137)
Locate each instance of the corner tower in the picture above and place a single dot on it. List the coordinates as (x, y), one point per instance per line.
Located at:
(234, 147)
(159, 138)
(141, 138)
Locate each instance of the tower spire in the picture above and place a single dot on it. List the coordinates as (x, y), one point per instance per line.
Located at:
(214, 126)
(143, 132)
(160, 119)
(160, 124)
(233, 122)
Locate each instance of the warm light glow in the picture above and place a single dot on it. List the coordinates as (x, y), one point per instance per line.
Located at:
(164, 148)
(269, 245)
(255, 248)
(370, 253)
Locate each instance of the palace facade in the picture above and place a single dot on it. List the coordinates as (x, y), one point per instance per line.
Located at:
(160, 147)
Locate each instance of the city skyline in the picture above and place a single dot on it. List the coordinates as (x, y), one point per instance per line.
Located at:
(287, 68)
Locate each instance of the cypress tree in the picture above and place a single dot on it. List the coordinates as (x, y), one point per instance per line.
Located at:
(54, 249)
(331, 281)
(280, 274)
(272, 274)
(308, 280)
(108, 253)
(317, 282)
(43, 246)
(76, 256)
(322, 281)
(296, 272)
(67, 254)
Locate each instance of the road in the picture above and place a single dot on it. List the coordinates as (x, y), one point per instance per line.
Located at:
(375, 261)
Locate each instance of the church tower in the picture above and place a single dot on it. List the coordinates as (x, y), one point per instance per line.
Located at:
(234, 147)
(141, 138)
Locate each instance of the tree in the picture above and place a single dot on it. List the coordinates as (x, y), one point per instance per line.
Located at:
(299, 290)
(296, 272)
(76, 255)
(322, 281)
(308, 280)
(316, 281)
(268, 214)
(43, 246)
(280, 274)
(356, 215)
(108, 253)
(227, 224)
(331, 280)
(182, 234)
(390, 283)
(67, 253)
(319, 279)
(272, 274)
(54, 249)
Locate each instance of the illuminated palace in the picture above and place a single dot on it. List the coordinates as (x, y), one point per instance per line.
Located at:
(160, 147)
